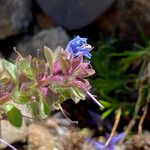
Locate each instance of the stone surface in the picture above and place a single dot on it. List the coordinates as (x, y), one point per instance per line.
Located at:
(128, 18)
(52, 38)
(45, 137)
(12, 134)
(139, 141)
(74, 14)
(76, 141)
(39, 138)
(14, 16)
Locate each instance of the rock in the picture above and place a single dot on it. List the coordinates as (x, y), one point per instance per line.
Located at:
(76, 141)
(128, 18)
(11, 134)
(74, 14)
(139, 141)
(44, 137)
(14, 17)
(39, 138)
(52, 38)
(120, 147)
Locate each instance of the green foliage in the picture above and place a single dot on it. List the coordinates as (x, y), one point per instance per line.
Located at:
(13, 114)
(19, 97)
(10, 68)
(76, 95)
(44, 109)
(118, 74)
(42, 85)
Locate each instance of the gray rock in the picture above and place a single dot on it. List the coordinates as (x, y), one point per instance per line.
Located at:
(14, 16)
(74, 14)
(52, 38)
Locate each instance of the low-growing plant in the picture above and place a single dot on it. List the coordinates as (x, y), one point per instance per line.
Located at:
(44, 84)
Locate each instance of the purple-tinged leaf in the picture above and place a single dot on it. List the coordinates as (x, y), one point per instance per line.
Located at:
(49, 56)
(5, 98)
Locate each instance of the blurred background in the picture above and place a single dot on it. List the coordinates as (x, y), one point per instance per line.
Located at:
(119, 32)
(30, 24)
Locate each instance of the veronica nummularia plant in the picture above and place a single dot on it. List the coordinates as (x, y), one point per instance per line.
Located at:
(43, 84)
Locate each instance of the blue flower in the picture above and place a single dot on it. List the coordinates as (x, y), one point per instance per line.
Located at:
(78, 46)
(114, 140)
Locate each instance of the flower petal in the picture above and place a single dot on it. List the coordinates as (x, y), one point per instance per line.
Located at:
(117, 138)
(78, 46)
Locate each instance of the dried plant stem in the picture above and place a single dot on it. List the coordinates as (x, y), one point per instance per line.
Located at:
(130, 126)
(76, 122)
(138, 106)
(17, 52)
(117, 119)
(145, 109)
(132, 122)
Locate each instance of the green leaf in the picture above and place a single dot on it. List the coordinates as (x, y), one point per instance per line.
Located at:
(76, 94)
(65, 94)
(34, 108)
(44, 110)
(126, 113)
(13, 114)
(39, 109)
(10, 68)
(64, 65)
(107, 113)
(105, 104)
(49, 56)
(110, 99)
(20, 97)
(106, 85)
(25, 66)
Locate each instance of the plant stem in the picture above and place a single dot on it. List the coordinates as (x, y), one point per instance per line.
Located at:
(76, 122)
(136, 110)
(130, 126)
(145, 109)
(94, 99)
(9, 145)
(117, 119)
